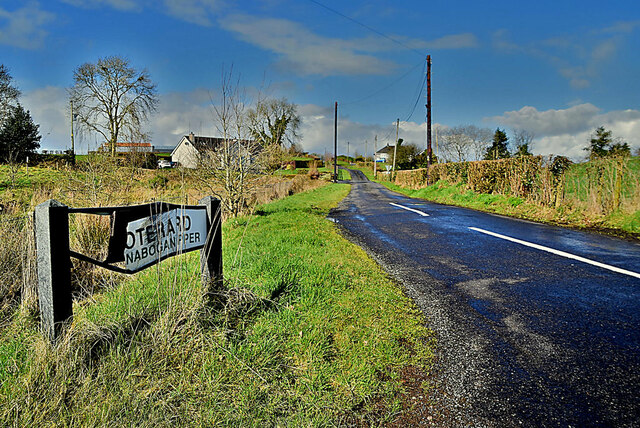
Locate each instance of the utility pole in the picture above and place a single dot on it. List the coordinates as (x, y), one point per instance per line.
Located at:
(375, 149)
(73, 149)
(348, 153)
(429, 152)
(366, 151)
(335, 145)
(435, 131)
(395, 148)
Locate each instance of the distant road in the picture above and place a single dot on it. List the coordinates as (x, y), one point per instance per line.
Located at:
(536, 325)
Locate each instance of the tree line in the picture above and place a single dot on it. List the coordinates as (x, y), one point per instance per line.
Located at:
(471, 143)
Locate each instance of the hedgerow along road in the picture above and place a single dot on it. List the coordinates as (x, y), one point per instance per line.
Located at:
(536, 325)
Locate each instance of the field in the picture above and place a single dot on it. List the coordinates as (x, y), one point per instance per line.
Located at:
(306, 331)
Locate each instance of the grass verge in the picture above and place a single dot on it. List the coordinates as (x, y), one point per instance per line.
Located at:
(308, 331)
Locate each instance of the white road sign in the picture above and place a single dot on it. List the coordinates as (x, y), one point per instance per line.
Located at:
(157, 237)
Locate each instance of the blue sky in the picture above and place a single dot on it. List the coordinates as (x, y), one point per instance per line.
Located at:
(558, 69)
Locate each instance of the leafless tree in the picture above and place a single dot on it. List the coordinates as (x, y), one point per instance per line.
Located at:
(230, 170)
(455, 144)
(8, 94)
(480, 139)
(113, 99)
(464, 143)
(522, 140)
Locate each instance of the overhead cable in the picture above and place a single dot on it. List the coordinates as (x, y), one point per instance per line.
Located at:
(394, 40)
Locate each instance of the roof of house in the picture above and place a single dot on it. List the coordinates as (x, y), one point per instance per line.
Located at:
(385, 149)
(203, 143)
(208, 143)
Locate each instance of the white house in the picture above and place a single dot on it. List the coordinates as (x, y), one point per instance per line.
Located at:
(189, 150)
(384, 154)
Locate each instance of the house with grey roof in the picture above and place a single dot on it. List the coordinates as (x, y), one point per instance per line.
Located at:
(384, 154)
(189, 151)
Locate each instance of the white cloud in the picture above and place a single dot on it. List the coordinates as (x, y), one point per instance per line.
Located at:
(49, 108)
(179, 113)
(622, 27)
(304, 52)
(567, 131)
(452, 41)
(549, 122)
(23, 28)
(125, 5)
(194, 11)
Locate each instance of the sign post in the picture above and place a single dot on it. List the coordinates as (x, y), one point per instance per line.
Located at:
(141, 236)
(51, 220)
(211, 254)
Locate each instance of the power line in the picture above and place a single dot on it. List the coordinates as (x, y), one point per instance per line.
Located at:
(417, 98)
(385, 87)
(366, 26)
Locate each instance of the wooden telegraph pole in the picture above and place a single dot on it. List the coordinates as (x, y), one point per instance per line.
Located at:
(73, 148)
(429, 152)
(395, 148)
(335, 144)
(375, 149)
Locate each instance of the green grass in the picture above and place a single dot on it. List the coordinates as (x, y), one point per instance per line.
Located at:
(308, 331)
(577, 175)
(343, 174)
(26, 178)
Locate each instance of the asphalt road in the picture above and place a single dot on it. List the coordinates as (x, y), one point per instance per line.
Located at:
(543, 330)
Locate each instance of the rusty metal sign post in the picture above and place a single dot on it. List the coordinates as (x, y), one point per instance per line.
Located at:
(141, 236)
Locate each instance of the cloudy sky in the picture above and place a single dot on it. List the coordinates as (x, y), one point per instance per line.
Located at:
(558, 69)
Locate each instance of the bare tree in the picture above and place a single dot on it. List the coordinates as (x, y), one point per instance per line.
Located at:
(113, 99)
(230, 169)
(522, 140)
(8, 94)
(480, 137)
(464, 143)
(456, 145)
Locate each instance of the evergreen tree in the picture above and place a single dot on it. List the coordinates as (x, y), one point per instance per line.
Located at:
(498, 148)
(602, 145)
(599, 143)
(620, 149)
(19, 137)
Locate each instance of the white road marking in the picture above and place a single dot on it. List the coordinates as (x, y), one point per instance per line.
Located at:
(559, 253)
(423, 214)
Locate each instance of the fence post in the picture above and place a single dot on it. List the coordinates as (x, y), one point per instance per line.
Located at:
(211, 254)
(53, 261)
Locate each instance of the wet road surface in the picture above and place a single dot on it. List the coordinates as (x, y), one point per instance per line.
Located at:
(537, 325)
